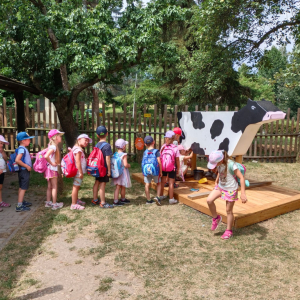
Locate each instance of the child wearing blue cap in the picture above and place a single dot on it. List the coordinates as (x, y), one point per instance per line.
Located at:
(151, 167)
(23, 159)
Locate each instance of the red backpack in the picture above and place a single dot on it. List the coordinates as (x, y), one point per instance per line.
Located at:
(68, 164)
(95, 163)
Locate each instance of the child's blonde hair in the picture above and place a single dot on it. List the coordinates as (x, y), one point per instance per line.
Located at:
(52, 140)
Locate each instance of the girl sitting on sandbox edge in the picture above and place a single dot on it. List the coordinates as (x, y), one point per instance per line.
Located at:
(226, 187)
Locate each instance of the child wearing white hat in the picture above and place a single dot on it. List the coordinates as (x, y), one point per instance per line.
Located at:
(3, 159)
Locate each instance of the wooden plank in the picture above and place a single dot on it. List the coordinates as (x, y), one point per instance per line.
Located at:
(291, 138)
(10, 135)
(44, 126)
(170, 122)
(124, 121)
(135, 121)
(55, 119)
(108, 128)
(217, 107)
(144, 117)
(97, 115)
(226, 108)
(119, 125)
(266, 140)
(276, 140)
(159, 126)
(297, 138)
(33, 125)
(82, 115)
(50, 115)
(206, 107)
(271, 140)
(281, 138)
(260, 141)
(114, 127)
(175, 115)
(129, 133)
(287, 130)
(196, 107)
(16, 117)
(199, 195)
(154, 122)
(165, 118)
(38, 108)
(5, 121)
(186, 108)
(88, 128)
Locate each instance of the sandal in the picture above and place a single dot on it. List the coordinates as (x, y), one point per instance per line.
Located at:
(4, 204)
(166, 184)
(80, 202)
(77, 207)
(176, 185)
(227, 235)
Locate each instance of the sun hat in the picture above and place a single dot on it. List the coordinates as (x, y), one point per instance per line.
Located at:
(101, 130)
(178, 131)
(214, 158)
(148, 140)
(3, 140)
(85, 136)
(23, 136)
(120, 143)
(180, 147)
(169, 134)
(53, 132)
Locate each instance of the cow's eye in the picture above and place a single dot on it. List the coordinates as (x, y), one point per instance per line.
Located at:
(253, 107)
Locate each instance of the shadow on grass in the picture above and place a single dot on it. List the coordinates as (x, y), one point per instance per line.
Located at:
(42, 292)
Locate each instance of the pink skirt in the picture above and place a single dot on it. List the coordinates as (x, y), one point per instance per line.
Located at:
(50, 174)
(230, 196)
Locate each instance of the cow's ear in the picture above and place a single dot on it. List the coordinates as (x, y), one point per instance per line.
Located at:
(250, 102)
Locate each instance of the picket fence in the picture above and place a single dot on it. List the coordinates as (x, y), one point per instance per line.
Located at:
(275, 142)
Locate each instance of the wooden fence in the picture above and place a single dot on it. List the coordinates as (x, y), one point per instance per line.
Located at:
(275, 142)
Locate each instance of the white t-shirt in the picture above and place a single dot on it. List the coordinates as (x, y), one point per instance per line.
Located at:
(2, 164)
(229, 184)
(52, 158)
(75, 150)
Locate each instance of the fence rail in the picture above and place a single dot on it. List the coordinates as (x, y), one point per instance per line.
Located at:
(277, 141)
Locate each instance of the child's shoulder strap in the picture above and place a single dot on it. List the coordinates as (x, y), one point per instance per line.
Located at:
(230, 166)
(104, 144)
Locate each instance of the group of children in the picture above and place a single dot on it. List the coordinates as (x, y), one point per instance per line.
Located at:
(162, 166)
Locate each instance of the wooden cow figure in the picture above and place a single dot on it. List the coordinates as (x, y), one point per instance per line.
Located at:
(233, 132)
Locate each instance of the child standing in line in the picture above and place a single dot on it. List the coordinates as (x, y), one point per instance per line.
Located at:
(151, 159)
(177, 137)
(101, 181)
(82, 142)
(183, 161)
(23, 159)
(226, 187)
(53, 158)
(169, 159)
(123, 181)
(3, 159)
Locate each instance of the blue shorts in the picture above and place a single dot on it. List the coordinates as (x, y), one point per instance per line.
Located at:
(24, 177)
(148, 179)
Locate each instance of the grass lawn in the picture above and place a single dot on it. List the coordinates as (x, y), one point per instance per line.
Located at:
(148, 252)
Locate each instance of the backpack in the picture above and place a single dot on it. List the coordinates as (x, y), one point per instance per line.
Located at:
(68, 165)
(116, 165)
(40, 164)
(242, 169)
(150, 164)
(11, 163)
(95, 162)
(167, 156)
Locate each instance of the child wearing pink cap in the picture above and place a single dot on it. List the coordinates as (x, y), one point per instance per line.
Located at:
(3, 159)
(123, 181)
(226, 188)
(183, 161)
(53, 158)
(78, 150)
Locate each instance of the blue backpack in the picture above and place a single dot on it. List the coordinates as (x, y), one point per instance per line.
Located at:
(116, 165)
(11, 163)
(150, 164)
(240, 167)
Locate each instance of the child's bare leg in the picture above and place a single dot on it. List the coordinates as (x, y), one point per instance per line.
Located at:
(95, 189)
(163, 181)
(116, 193)
(21, 195)
(102, 192)
(49, 191)
(215, 194)
(230, 217)
(75, 191)
(123, 192)
(158, 189)
(171, 187)
(54, 189)
(147, 190)
(1, 185)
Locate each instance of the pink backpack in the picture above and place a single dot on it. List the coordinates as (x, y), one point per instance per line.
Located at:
(168, 157)
(68, 164)
(40, 164)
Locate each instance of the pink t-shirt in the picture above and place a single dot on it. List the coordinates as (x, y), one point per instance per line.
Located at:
(75, 150)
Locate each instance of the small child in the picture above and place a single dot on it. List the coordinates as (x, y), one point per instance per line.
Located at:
(3, 159)
(226, 187)
(178, 136)
(149, 143)
(123, 181)
(169, 159)
(23, 159)
(101, 181)
(183, 161)
(53, 158)
(82, 142)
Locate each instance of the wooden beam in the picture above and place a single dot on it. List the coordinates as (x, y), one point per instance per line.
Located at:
(194, 162)
(198, 195)
(239, 159)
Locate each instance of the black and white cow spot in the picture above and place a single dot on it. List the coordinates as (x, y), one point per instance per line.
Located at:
(224, 145)
(197, 149)
(216, 128)
(196, 118)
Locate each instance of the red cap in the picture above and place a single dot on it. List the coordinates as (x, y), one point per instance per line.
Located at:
(177, 130)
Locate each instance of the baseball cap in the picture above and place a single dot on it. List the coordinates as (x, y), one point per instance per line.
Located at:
(169, 134)
(3, 140)
(23, 136)
(120, 143)
(179, 147)
(101, 130)
(214, 158)
(148, 140)
(178, 131)
(85, 136)
(53, 132)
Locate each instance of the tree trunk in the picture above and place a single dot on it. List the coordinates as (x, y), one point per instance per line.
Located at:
(20, 111)
(95, 104)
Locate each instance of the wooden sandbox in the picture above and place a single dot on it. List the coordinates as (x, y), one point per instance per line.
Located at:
(265, 200)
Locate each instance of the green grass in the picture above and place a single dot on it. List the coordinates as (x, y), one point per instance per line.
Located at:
(105, 285)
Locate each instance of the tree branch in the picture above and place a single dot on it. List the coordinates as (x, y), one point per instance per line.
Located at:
(37, 84)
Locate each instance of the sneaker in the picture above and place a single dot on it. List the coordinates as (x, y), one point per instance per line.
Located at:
(227, 235)
(48, 204)
(215, 222)
(106, 205)
(125, 201)
(173, 201)
(95, 202)
(149, 202)
(4, 204)
(119, 203)
(163, 197)
(77, 207)
(57, 206)
(80, 202)
(157, 201)
(22, 208)
(25, 203)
